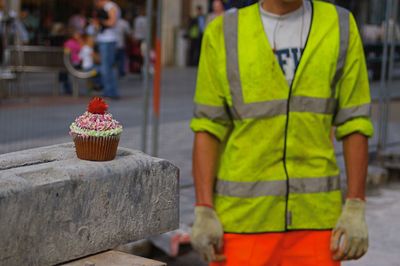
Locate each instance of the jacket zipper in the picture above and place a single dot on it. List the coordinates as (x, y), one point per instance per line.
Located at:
(288, 215)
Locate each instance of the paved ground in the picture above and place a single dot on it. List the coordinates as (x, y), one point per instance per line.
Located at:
(43, 120)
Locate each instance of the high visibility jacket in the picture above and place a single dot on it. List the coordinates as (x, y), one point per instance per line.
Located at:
(277, 169)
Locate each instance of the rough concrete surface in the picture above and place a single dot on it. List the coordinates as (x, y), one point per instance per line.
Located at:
(56, 208)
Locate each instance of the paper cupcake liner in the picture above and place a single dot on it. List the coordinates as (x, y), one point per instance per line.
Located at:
(96, 148)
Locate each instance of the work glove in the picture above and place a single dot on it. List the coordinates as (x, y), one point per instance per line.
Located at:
(350, 237)
(207, 234)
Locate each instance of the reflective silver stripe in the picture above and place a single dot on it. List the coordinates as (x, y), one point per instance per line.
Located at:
(251, 189)
(215, 113)
(312, 105)
(314, 185)
(346, 114)
(277, 187)
(232, 59)
(344, 34)
(260, 109)
(279, 107)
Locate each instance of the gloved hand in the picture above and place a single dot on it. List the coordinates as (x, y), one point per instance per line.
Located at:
(350, 237)
(207, 234)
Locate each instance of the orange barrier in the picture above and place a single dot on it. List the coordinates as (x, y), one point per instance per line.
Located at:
(298, 248)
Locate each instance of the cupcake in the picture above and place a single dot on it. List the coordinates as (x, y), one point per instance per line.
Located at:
(95, 133)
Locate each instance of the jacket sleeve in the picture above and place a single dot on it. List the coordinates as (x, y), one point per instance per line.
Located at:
(354, 100)
(211, 111)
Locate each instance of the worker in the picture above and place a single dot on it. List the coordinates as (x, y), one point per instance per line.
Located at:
(274, 79)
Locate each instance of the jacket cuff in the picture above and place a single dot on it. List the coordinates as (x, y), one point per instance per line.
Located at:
(362, 125)
(202, 124)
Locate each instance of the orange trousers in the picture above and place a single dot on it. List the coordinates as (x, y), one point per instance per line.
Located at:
(298, 248)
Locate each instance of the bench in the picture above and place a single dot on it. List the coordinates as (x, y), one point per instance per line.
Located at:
(43, 59)
(6, 79)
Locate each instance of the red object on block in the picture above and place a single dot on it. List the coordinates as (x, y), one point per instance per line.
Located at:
(97, 106)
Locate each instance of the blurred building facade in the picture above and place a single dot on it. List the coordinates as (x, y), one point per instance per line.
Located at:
(176, 15)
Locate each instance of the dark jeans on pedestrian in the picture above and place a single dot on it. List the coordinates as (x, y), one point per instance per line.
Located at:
(66, 83)
(194, 51)
(121, 61)
(108, 76)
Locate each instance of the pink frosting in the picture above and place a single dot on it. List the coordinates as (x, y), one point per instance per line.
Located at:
(97, 122)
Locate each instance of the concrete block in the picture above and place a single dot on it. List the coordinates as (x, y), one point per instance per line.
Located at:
(56, 208)
(114, 258)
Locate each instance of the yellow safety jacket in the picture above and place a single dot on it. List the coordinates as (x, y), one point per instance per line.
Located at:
(277, 170)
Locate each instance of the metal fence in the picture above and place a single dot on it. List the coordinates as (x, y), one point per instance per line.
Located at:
(387, 128)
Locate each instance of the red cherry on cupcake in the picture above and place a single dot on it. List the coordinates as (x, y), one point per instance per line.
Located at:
(97, 106)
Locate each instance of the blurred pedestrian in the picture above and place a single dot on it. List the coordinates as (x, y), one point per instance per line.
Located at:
(78, 21)
(87, 53)
(135, 57)
(217, 10)
(107, 37)
(58, 32)
(89, 61)
(140, 26)
(266, 178)
(13, 26)
(139, 35)
(195, 34)
(47, 22)
(30, 19)
(124, 35)
(73, 46)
